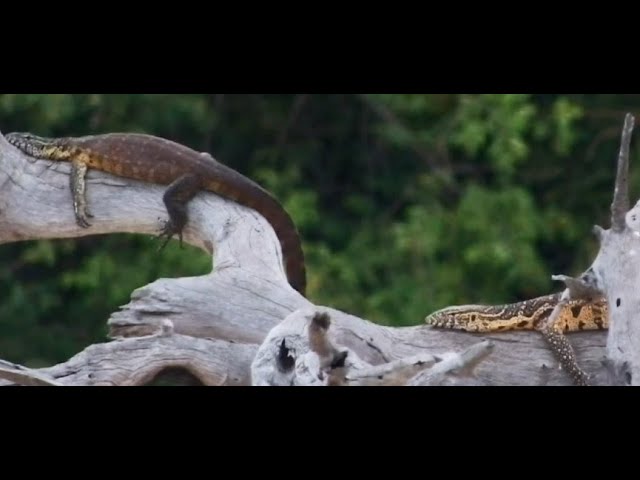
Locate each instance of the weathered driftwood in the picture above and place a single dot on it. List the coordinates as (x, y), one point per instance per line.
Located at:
(138, 361)
(616, 273)
(243, 310)
(300, 351)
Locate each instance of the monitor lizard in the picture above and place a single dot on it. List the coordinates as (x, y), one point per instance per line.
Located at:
(186, 172)
(574, 315)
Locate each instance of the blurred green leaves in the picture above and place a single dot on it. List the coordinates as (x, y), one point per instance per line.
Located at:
(405, 202)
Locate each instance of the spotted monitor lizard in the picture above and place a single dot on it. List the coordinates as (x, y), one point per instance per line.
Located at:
(185, 171)
(574, 315)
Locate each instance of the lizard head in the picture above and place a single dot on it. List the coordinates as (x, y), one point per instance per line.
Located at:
(28, 142)
(456, 317)
(15, 137)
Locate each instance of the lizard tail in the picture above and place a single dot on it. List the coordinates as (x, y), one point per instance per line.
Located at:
(293, 256)
(247, 192)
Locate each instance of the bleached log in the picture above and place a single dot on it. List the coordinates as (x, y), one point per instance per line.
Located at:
(244, 301)
(137, 361)
(616, 271)
(321, 362)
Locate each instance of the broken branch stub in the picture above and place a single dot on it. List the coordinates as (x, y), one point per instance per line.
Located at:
(620, 203)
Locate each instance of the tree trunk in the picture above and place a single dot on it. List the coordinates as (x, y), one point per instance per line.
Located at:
(244, 324)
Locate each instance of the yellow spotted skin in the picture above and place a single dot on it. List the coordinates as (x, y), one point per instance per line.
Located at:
(574, 316)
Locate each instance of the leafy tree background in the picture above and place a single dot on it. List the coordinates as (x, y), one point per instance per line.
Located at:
(406, 203)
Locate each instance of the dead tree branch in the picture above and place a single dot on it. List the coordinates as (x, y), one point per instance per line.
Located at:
(620, 204)
(243, 323)
(615, 273)
(137, 361)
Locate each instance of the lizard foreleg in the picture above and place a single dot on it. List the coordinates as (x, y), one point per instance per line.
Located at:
(176, 198)
(78, 192)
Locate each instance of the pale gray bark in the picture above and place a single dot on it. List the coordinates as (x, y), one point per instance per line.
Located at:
(616, 271)
(296, 353)
(230, 324)
(137, 361)
(516, 358)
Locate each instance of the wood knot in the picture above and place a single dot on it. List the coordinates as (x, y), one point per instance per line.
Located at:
(166, 328)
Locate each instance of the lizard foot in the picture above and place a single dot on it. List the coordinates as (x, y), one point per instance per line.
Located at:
(82, 212)
(82, 219)
(167, 232)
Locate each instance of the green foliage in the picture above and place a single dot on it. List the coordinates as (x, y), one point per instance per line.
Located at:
(496, 125)
(405, 203)
(565, 114)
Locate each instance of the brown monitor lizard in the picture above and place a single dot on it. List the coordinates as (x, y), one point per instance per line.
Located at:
(185, 171)
(574, 315)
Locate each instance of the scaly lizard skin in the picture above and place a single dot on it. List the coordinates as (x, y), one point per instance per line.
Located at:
(185, 171)
(574, 315)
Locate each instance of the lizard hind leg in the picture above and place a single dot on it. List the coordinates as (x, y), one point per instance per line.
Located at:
(176, 198)
(78, 192)
(572, 316)
(563, 350)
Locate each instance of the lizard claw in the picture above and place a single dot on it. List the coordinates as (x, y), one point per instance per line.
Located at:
(82, 214)
(167, 232)
(164, 244)
(581, 378)
(82, 221)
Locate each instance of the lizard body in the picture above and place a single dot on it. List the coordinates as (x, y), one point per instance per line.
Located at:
(574, 315)
(161, 161)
